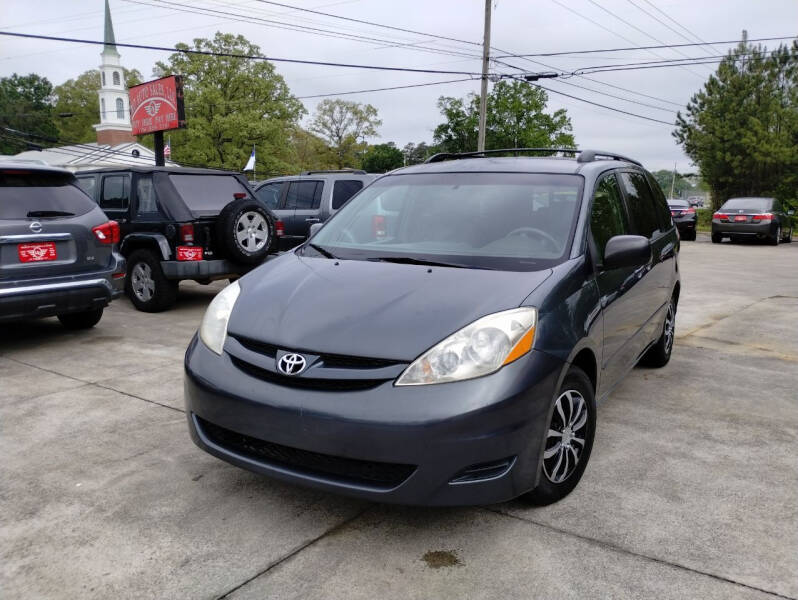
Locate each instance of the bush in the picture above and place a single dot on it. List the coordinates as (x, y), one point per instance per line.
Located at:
(704, 218)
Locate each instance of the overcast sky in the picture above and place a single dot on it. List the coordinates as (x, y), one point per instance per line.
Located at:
(410, 115)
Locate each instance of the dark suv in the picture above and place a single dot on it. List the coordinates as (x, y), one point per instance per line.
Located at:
(311, 197)
(57, 249)
(454, 353)
(182, 224)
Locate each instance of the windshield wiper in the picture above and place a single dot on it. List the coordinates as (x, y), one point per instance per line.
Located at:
(409, 260)
(50, 213)
(322, 251)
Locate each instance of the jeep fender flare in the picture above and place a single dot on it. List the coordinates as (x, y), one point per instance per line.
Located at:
(137, 240)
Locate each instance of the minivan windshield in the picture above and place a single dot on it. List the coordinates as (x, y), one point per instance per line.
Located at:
(505, 221)
(752, 204)
(40, 194)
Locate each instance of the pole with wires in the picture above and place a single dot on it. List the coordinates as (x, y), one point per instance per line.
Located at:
(483, 96)
(673, 179)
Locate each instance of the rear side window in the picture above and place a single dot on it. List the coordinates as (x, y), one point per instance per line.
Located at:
(207, 194)
(269, 194)
(303, 195)
(343, 190)
(640, 203)
(607, 217)
(660, 204)
(28, 194)
(145, 196)
(87, 184)
(116, 192)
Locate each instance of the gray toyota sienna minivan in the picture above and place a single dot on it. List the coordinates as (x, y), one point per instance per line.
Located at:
(444, 337)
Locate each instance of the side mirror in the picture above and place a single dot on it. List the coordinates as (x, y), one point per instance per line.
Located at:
(626, 251)
(315, 227)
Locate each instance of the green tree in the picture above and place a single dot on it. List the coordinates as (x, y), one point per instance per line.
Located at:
(417, 153)
(741, 129)
(680, 184)
(231, 104)
(382, 158)
(310, 152)
(345, 126)
(26, 105)
(516, 118)
(78, 98)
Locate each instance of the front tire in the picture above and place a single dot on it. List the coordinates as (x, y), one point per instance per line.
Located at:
(775, 238)
(569, 440)
(81, 320)
(147, 287)
(660, 353)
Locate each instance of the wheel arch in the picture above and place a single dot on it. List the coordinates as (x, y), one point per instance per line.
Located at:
(148, 241)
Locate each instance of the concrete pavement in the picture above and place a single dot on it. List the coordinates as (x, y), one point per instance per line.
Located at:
(690, 492)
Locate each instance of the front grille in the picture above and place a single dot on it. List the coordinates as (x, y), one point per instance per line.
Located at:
(332, 361)
(308, 383)
(363, 472)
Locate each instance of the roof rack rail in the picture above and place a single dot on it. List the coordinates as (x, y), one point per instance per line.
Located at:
(591, 155)
(441, 156)
(322, 171)
(584, 156)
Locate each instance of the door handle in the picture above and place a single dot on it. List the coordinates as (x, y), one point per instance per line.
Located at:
(312, 220)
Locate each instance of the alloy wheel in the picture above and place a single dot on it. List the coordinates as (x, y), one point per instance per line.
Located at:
(141, 282)
(565, 440)
(252, 231)
(670, 327)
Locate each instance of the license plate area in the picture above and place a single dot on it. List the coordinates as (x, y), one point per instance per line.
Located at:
(36, 252)
(740, 219)
(189, 253)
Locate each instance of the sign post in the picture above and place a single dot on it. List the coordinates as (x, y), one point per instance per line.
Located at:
(157, 106)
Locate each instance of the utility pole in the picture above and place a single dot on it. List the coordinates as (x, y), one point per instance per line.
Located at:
(673, 179)
(483, 98)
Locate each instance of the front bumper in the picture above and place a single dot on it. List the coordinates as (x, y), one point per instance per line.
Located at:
(438, 430)
(60, 295)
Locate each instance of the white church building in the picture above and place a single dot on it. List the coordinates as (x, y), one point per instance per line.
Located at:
(115, 144)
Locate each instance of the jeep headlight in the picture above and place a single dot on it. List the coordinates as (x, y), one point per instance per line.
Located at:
(213, 329)
(478, 349)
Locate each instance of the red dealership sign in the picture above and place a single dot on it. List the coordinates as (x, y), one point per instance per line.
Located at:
(157, 105)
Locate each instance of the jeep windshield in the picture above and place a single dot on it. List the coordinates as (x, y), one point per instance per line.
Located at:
(207, 195)
(505, 221)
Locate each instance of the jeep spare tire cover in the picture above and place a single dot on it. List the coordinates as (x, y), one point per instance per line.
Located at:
(245, 231)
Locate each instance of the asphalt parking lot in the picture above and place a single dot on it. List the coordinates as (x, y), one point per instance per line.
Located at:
(691, 491)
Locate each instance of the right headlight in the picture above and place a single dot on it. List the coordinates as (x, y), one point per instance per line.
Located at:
(213, 329)
(477, 349)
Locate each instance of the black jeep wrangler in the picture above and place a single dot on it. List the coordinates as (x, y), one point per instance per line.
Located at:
(181, 224)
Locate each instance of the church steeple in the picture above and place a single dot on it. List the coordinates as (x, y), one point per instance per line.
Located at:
(114, 127)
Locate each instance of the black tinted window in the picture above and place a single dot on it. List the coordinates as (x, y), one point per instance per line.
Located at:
(145, 196)
(87, 184)
(661, 205)
(207, 194)
(343, 190)
(116, 191)
(303, 195)
(641, 204)
(607, 217)
(269, 194)
(39, 195)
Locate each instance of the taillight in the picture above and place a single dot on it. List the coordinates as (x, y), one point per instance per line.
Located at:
(690, 210)
(720, 216)
(239, 195)
(279, 228)
(378, 226)
(764, 218)
(187, 233)
(107, 233)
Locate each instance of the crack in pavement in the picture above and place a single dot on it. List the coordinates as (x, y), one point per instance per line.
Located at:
(714, 320)
(622, 550)
(296, 551)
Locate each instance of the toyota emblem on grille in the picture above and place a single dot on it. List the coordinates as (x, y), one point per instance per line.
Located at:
(291, 364)
(35, 227)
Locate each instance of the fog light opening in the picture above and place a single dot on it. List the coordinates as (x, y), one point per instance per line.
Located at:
(484, 471)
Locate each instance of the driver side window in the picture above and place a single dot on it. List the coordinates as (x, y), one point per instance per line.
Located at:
(607, 217)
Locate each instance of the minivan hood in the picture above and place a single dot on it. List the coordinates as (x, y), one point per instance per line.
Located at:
(369, 309)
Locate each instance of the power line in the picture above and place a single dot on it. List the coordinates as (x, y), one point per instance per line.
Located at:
(618, 110)
(661, 22)
(545, 54)
(396, 87)
(243, 56)
(667, 16)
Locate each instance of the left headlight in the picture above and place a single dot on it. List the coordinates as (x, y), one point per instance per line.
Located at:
(213, 329)
(478, 349)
